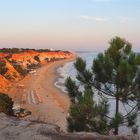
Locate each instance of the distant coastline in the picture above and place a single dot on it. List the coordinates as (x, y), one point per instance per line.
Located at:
(86, 52)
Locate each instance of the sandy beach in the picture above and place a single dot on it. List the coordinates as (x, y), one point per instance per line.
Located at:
(40, 96)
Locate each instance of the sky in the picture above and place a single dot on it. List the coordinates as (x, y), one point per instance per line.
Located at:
(84, 25)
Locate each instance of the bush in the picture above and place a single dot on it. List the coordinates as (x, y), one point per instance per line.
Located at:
(6, 104)
(37, 59)
(3, 68)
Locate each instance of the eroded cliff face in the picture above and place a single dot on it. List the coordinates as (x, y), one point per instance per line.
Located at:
(28, 57)
(12, 74)
(4, 83)
(15, 66)
(14, 129)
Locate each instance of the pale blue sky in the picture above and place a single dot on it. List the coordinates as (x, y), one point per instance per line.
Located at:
(68, 24)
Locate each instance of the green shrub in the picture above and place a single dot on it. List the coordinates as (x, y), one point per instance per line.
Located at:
(6, 104)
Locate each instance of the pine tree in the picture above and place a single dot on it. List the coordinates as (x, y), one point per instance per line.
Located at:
(115, 75)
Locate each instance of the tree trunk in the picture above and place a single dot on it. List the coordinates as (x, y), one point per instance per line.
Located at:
(117, 111)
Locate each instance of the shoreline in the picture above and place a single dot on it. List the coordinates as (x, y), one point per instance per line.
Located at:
(54, 76)
(40, 95)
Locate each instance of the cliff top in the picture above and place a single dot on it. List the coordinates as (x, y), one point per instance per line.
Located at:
(12, 128)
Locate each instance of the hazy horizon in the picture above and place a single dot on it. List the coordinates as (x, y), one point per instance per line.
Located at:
(76, 25)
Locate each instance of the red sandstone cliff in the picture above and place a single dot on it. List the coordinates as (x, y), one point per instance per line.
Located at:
(19, 64)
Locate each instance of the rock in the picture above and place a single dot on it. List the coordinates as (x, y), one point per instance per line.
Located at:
(12, 128)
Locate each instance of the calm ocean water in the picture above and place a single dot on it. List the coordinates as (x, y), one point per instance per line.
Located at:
(68, 70)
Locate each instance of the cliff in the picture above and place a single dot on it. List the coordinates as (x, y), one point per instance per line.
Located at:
(16, 63)
(4, 83)
(14, 129)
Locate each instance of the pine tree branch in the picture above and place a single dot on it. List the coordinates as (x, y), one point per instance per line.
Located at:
(133, 91)
(107, 97)
(129, 105)
(126, 120)
(125, 107)
(104, 92)
(108, 89)
(108, 117)
(125, 116)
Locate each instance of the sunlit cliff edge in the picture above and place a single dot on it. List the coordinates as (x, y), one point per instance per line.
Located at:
(16, 63)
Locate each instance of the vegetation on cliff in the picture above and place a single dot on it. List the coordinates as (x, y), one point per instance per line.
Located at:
(21, 50)
(3, 68)
(6, 104)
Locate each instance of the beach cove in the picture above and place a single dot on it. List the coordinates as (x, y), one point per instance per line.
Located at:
(39, 95)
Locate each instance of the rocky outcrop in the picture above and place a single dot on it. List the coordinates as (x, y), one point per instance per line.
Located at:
(11, 72)
(27, 58)
(12, 128)
(24, 58)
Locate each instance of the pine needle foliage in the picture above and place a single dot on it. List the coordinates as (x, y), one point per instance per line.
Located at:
(115, 74)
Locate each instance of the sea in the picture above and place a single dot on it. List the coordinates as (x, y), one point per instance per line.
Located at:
(68, 70)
